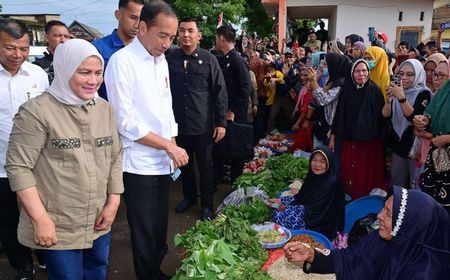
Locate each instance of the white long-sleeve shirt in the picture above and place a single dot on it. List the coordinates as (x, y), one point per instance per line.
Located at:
(138, 89)
(28, 82)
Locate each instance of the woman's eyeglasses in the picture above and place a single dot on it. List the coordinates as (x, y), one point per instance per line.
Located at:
(439, 76)
(408, 75)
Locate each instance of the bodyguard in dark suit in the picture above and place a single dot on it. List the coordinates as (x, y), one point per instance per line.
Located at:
(239, 87)
(200, 106)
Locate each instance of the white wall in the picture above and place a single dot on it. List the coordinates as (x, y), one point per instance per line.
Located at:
(332, 23)
(356, 16)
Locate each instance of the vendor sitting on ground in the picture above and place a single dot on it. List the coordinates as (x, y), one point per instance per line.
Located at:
(320, 203)
(413, 242)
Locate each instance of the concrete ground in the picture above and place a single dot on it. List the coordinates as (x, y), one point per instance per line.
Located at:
(121, 262)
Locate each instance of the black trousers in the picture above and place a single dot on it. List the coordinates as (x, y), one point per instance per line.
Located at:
(201, 147)
(147, 201)
(18, 255)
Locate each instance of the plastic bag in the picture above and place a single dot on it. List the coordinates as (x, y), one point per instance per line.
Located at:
(363, 227)
(416, 148)
(239, 197)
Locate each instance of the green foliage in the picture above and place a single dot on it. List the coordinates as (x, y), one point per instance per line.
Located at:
(312, 23)
(218, 249)
(208, 11)
(255, 212)
(279, 172)
(257, 19)
(250, 12)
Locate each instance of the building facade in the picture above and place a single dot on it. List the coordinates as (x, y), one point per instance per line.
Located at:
(401, 20)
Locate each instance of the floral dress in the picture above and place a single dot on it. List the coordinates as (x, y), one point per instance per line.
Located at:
(292, 217)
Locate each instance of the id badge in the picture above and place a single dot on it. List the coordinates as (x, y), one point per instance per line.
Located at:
(175, 174)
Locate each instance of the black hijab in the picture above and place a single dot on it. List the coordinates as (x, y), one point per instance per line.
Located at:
(419, 249)
(358, 113)
(338, 66)
(323, 198)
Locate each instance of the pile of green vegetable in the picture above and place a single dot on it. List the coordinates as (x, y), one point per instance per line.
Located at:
(279, 172)
(225, 248)
(255, 213)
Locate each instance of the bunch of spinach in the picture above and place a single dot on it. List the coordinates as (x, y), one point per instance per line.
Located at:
(255, 213)
(219, 247)
(279, 172)
(287, 167)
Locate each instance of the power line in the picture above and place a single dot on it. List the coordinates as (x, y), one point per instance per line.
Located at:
(79, 7)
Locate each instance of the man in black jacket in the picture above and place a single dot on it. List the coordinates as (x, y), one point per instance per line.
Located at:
(239, 87)
(199, 100)
(56, 33)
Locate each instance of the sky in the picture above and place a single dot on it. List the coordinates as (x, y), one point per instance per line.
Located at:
(95, 13)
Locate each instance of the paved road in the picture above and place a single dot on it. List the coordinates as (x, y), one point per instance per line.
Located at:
(121, 263)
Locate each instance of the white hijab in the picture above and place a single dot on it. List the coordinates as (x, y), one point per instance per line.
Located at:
(399, 122)
(66, 60)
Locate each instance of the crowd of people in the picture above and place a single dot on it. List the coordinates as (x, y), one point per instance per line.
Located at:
(122, 116)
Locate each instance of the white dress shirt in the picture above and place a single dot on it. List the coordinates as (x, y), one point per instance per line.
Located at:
(28, 82)
(138, 89)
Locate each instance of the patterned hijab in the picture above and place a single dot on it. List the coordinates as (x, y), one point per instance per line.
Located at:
(399, 122)
(67, 59)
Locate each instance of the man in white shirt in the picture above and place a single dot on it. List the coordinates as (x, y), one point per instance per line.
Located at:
(19, 81)
(138, 86)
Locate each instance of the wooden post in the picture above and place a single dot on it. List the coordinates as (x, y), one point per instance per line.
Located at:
(281, 23)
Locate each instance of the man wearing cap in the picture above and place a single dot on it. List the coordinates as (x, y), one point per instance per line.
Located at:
(380, 40)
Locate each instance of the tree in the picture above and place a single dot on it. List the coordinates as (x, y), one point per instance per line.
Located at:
(257, 19)
(207, 11)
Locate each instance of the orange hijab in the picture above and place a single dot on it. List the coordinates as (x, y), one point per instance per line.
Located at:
(380, 74)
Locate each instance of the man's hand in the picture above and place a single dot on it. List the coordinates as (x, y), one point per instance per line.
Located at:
(219, 133)
(254, 110)
(45, 232)
(178, 155)
(108, 214)
(230, 116)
